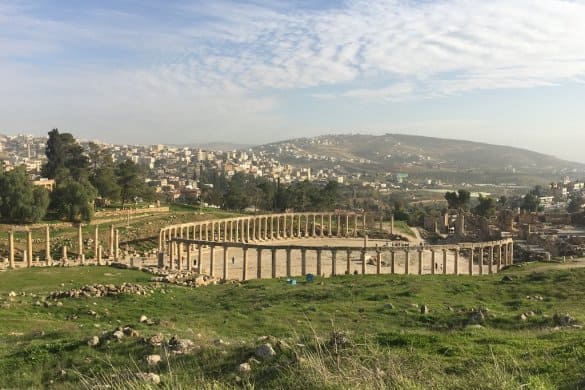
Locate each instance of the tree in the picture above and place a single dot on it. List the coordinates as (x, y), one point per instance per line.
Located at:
(458, 200)
(575, 202)
(130, 180)
(530, 202)
(20, 200)
(65, 157)
(486, 207)
(73, 200)
(106, 183)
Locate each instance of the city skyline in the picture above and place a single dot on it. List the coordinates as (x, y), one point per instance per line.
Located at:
(184, 72)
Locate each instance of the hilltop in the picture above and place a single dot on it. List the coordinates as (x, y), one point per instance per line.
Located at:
(419, 155)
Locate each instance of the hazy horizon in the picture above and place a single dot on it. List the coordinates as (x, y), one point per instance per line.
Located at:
(254, 72)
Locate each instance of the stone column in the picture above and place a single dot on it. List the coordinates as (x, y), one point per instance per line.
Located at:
(244, 262)
(225, 262)
(224, 231)
(292, 226)
(364, 266)
(48, 257)
(338, 225)
(313, 227)
(237, 231)
(64, 255)
(330, 230)
(96, 240)
(11, 250)
(491, 259)
(333, 262)
(348, 263)
(378, 262)
(346, 225)
(99, 255)
(116, 244)
(272, 227)
(433, 261)
(420, 261)
(456, 265)
(407, 261)
(444, 261)
(80, 244)
(288, 262)
(511, 253)
(392, 223)
(200, 231)
(231, 230)
(180, 250)
(172, 255)
(322, 225)
(29, 249)
(206, 231)
(303, 261)
(392, 262)
(505, 254)
(278, 236)
(211, 260)
(284, 232)
(188, 257)
(248, 229)
(273, 260)
(254, 220)
(299, 235)
(481, 260)
(471, 260)
(259, 263)
(307, 225)
(364, 222)
(355, 225)
(319, 272)
(112, 241)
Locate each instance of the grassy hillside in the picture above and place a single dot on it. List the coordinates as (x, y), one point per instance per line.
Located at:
(343, 332)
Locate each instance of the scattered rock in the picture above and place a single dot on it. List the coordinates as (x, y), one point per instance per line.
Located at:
(244, 368)
(100, 290)
(563, 319)
(180, 346)
(282, 345)
(507, 278)
(130, 332)
(388, 306)
(156, 340)
(424, 309)
(152, 360)
(94, 341)
(143, 318)
(265, 352)
(118, 335)
(148, 377)
(523, 317)
(11, 294)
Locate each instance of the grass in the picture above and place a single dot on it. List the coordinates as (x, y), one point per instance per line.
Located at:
(387, 342)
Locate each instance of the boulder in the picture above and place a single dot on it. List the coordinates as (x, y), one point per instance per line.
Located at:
(265, 352)
(94, 341)
(152, 360)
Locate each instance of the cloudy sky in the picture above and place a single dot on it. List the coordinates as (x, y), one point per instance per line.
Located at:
(177, 71)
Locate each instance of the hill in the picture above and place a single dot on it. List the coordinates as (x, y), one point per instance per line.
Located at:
(510, 330)
(420, 155)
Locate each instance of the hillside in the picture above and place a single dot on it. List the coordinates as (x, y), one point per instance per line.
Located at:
(508, 330)
(419, 155)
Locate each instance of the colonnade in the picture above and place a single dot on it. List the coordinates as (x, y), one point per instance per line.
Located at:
(298, 260)
(28, 260)
(267, 227)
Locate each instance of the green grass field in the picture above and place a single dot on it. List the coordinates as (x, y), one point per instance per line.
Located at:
(387, 342)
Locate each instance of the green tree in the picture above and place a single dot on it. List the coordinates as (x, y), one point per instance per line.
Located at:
(486, 207)
(530, 202)
(65, 157)
(131, 182)
(575, 202)
(20, 200)
(73, 200)
(458, 200)
(105, 181)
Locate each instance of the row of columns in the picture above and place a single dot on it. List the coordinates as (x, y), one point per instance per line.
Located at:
(267, 227)
(500, 254)
(98, 250)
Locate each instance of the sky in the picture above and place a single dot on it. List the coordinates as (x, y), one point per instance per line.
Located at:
(143, 71)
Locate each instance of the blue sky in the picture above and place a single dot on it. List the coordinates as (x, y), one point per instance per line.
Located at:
(145, 71)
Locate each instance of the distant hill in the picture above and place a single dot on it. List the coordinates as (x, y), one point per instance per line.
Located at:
(223, 146)
(420, 155)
